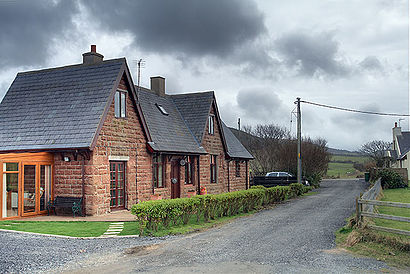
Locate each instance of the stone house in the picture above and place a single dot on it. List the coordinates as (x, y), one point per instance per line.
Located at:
(400, 152)
(87, 131)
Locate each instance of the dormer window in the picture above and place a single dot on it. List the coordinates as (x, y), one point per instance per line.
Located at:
(162, 109)
(120, 103)
(211, 124)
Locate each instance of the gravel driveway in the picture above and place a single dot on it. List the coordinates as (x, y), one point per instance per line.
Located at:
(297, 236)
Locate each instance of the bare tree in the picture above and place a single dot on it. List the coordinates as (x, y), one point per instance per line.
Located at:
(376, 150)
(263, 141)
(275, 150)
(315, 157)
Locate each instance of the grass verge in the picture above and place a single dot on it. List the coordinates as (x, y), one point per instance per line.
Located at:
(74, 229)
(391, 248)
(364, 243)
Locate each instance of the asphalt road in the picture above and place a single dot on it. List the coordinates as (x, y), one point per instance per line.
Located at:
(297, 236)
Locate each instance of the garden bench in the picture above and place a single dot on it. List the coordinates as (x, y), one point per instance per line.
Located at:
(75, 203)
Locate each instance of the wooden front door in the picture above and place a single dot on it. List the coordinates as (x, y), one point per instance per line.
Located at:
(175, 182)
(117, 185)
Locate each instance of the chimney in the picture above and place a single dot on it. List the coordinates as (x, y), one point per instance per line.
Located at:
(158, 85)
(396, 132)
(92, 57)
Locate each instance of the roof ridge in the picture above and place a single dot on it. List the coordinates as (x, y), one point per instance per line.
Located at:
(69, 66)
(191, 93)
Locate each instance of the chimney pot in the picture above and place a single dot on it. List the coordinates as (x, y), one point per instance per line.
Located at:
(158, 85)
(92, 57)
(395, 124)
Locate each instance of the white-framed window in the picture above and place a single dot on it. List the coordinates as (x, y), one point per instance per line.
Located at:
(120, 102)
(211, 124)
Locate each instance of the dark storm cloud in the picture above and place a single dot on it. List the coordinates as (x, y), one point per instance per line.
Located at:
(182, 27)
(311, 54)
(28, 27)
(371, 63)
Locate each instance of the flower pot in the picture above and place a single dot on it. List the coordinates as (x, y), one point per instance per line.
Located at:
(191, 193)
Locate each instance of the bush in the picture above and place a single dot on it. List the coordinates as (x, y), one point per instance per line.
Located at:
(315, 180)
(152, 214)
(391, 179)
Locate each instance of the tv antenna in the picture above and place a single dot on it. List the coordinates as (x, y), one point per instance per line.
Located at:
(140, 64)
(401, 119)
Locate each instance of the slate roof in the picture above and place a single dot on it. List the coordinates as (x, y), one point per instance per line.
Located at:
(403, 141)
(56, 108)
(235, 147)
(169, 133)
(194, 108)
(61, 108)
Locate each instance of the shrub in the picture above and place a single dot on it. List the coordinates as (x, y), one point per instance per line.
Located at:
(152, 214)
(314, 180)
(391, 179)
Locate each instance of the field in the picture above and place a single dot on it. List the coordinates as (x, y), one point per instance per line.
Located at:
(342, 166)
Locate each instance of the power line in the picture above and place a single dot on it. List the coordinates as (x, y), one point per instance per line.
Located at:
(355, 110)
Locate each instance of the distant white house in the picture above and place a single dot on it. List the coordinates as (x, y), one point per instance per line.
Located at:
(400, 152)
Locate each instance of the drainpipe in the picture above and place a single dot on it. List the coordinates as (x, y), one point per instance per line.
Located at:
(83, 183)
(229, 183)
(246, 169)
(199, 176)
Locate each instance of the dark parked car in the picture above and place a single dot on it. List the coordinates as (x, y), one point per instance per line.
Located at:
(285, 176)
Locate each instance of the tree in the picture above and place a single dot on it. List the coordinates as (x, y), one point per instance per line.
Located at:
(263, 142)
(376, 150)
(315, 157)
(275, 150)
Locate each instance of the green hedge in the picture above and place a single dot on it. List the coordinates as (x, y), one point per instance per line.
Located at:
(151, 214)
(391, 179)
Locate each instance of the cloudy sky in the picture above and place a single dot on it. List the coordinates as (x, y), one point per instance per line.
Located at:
(257, 55)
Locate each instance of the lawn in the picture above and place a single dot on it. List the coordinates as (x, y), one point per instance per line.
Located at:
(75, 229)
(401, 195)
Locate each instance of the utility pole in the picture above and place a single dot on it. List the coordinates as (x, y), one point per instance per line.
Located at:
(299, 133)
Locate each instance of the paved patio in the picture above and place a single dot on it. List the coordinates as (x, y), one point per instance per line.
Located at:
(116, 216)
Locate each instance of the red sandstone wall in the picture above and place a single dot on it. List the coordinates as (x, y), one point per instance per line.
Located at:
(118, 137)
(213, 145)
(236, 183)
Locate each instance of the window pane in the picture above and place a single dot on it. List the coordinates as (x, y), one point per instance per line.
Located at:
(117, 104)
(10, 196)
(123, 103)
(29, 197)
(160, 176)
(45, 186)
(11, 166)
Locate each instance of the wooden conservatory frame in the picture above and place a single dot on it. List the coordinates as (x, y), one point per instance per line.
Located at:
(36, 160)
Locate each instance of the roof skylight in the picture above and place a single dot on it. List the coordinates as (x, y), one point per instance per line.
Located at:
(162, 109)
